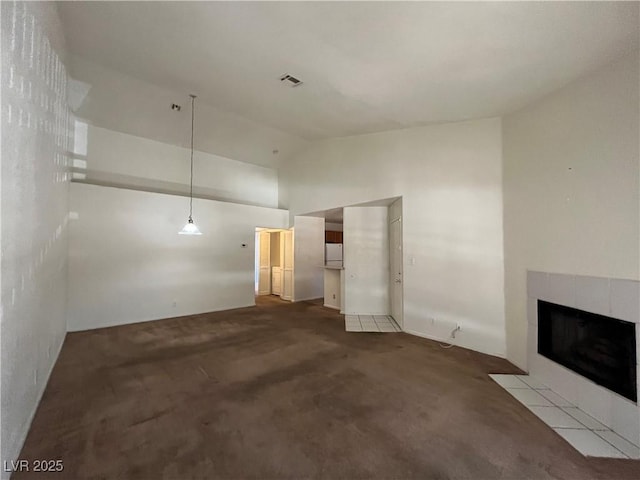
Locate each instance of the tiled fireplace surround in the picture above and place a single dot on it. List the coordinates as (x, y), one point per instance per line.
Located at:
(615, 298)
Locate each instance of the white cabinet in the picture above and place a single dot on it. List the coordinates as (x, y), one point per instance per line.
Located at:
(276, 280)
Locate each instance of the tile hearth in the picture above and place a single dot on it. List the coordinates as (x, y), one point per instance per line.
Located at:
(583, 432)
(615, 298)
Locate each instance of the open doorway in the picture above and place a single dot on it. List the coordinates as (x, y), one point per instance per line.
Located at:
(368, 283)
(273, 249)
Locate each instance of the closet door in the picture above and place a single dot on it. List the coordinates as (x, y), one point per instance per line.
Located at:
(276, 281)
(287, 268)
(264, 274)
(281, 236)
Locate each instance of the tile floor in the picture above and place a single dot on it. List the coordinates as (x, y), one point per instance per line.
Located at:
(370, 323)
(583, 432)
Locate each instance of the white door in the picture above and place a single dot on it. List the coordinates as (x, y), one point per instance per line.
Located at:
(287, 265)
(281, 246)
(276, 281)
(395, 268)
(264, 274)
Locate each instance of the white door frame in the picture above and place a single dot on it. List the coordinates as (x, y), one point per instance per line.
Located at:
(264, 262)
(396, 271)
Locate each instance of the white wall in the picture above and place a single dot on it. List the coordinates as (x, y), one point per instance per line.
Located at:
(450, 178)
(117, 158)
(122, 103)
(308, 263)
(366, 260)
(571, 186)
(35, 139)
(127, 262)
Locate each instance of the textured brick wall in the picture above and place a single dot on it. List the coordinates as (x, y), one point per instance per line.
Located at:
(36, 137)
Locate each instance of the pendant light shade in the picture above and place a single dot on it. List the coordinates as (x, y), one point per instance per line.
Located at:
(191, 228)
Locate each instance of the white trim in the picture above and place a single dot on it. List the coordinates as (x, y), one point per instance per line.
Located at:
(448, 341)
(307, 299)
(331, 306)
(145, 320)
(429, 337)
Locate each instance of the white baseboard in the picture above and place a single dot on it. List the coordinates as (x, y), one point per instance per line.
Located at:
(308, 299)
(448, 342)
(331, 306)
(430, 337)
(132, 321)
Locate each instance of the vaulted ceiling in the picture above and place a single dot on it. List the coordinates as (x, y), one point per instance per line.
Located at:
(366, 66)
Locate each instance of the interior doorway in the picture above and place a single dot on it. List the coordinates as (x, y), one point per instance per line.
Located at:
(396, 271)
(273, 248)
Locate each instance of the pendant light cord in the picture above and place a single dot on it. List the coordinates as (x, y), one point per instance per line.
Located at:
(193, 97)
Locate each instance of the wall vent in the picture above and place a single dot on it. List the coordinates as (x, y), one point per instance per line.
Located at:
(290, 80)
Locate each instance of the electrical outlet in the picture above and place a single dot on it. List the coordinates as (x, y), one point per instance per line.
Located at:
(334, 296)
(175, 304)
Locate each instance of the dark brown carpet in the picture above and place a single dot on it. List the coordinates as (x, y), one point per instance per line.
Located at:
(282, 391)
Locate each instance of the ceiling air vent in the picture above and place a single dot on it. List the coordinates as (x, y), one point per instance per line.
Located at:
(290, 80)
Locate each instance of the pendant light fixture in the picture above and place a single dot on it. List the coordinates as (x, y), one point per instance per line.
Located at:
(191, 228)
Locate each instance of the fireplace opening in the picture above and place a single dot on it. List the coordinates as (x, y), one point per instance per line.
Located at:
(600, 348)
